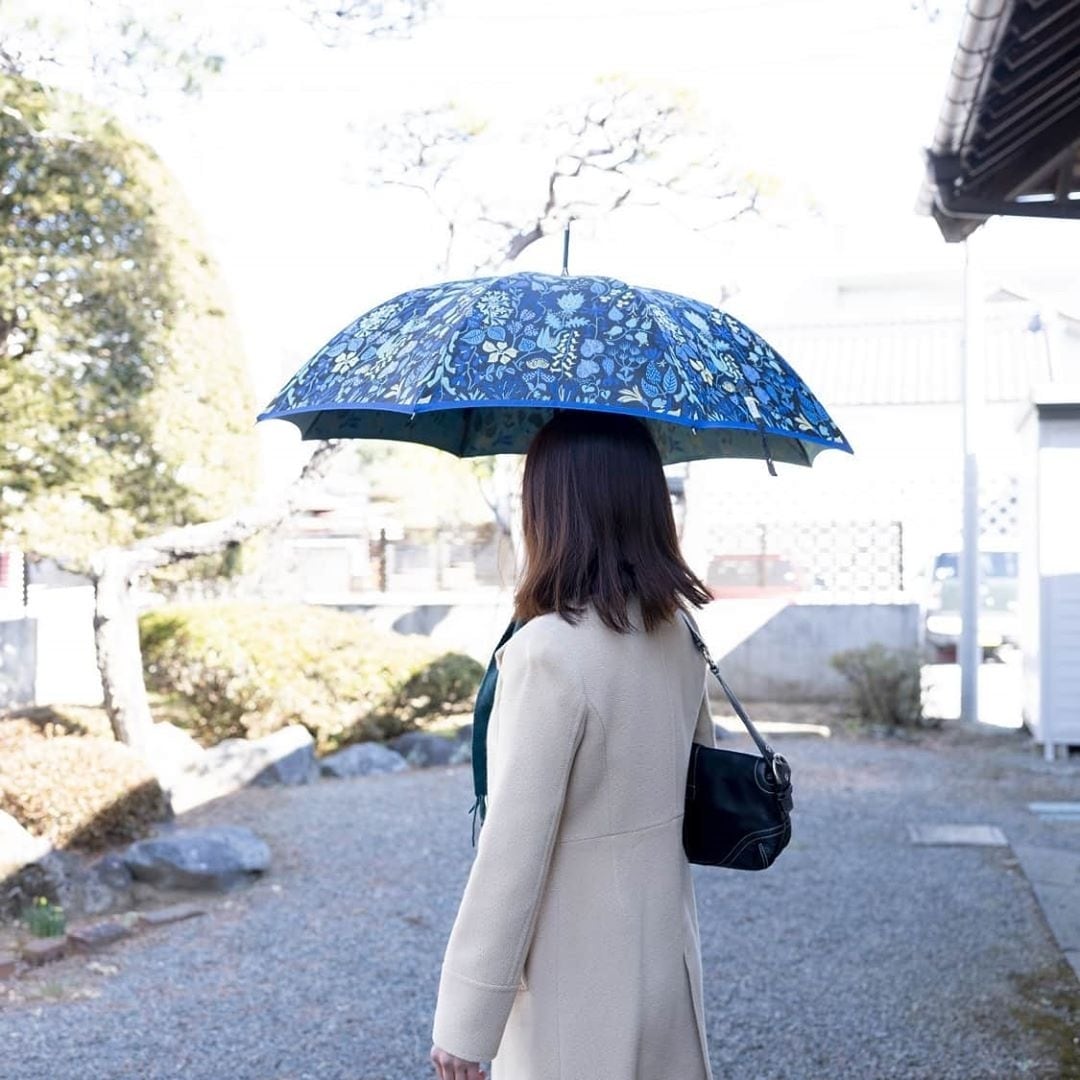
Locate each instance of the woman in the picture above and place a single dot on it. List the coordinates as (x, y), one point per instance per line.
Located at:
(575, 953)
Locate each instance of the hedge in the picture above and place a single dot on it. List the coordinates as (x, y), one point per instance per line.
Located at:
(79, 791)
(247, 669)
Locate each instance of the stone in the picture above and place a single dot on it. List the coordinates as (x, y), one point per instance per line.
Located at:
(283, 757)
(42, 950)
(169, 751)
(172, 742)
(142, 892)
(18, 848)
(958, 835)
(215, 858)
(362, 759)
(65, 878)
(8, 964)
(422, 749)
(57, 876)
(172, 913)
(107, 885)
(95, 936)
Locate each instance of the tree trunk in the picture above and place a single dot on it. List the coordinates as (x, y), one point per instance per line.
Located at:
(116, 572)
(119, 655)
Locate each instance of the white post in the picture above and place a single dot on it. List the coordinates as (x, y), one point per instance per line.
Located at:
(972, 358)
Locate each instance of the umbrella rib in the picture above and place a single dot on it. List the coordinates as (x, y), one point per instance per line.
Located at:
(471, 292)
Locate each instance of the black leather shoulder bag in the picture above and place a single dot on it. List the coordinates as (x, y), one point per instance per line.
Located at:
(738, 806)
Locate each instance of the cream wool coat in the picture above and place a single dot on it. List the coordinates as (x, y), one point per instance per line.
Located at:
(575, 954)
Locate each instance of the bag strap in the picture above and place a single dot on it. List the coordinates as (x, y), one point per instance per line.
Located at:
(767, 752)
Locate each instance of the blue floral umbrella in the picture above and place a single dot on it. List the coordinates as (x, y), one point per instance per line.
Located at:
(476, 367)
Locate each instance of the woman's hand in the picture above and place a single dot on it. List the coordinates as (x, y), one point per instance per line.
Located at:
(449, 1067)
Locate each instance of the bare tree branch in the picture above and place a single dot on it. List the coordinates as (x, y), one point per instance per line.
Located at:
(116, 571)
(620, 147)
(418, 151)
(335, 20)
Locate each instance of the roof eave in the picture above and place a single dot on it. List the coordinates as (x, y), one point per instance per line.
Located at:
(982, 25)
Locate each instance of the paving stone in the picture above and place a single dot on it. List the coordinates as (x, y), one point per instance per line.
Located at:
(1056, 811)
(171, 914)
(1054, 875)
(98, 935)
(42, 950)
(958, 835)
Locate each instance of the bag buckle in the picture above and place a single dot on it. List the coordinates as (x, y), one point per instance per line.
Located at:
(781, 770)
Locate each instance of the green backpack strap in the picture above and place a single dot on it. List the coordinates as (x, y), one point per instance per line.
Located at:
(485, 699)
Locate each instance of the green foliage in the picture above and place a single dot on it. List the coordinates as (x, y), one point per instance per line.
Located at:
(126, 404)
(886, 687)
(45, 919)
(79, 791)
(445, 685)
(248, 669)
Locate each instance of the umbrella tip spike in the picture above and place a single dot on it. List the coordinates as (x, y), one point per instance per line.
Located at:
(566, 248)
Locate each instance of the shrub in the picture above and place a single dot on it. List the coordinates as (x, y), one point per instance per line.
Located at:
(247, 669)
(80, 792)
(886, 686)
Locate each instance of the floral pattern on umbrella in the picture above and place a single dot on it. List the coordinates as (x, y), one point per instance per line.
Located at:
(538, 341)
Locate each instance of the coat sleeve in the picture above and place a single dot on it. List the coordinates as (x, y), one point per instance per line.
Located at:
(537, 723)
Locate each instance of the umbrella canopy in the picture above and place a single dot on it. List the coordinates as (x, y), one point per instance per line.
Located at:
(476, 367)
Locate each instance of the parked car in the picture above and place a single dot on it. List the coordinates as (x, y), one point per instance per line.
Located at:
(754, 575)
(998, 620)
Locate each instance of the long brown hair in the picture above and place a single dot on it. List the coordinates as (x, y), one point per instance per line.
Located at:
(598, 524)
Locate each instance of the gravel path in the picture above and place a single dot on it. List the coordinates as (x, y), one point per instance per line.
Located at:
(856, 956)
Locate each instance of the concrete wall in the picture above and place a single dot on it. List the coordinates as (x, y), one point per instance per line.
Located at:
(768, 649)
(18, 661)
(67, 671)
(771, 649)
(471, 625)
(779, 651)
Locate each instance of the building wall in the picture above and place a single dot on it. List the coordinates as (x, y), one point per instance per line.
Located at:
(1050, 601)
(18, 658)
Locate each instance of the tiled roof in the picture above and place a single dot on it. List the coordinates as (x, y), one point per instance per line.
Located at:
(908, 363)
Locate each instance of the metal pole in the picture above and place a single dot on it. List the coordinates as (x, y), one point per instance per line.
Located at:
(970, 654)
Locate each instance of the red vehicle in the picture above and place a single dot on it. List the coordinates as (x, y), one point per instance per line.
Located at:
(753, 575)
